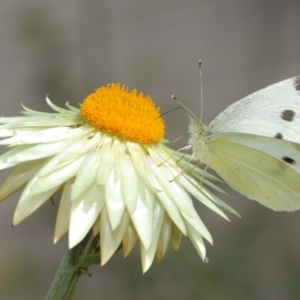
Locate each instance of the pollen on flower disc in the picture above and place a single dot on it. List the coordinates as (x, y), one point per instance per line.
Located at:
(127, 115)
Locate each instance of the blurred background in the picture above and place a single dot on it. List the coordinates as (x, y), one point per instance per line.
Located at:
(68, 48)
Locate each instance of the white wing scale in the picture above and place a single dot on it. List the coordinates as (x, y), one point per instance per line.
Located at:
(272, 111)
(254, 145)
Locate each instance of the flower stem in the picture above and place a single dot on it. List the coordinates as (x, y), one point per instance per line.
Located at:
(72, 266)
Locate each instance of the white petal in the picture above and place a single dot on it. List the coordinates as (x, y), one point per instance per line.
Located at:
(197, 241)
(57, 177)
(129, 184)
(39, 119)
(96, 227)
(64, 211)
(106, 161)
(142, 216)
(187, 210)
(115, 203)
(118, 151)
(86, 174)
(198, 225)
(139, 159)
(39, 189)
(49, 135)
(167, 196)
(25, 153)
(181, 198)
(164, 238)
(222, 204)
(19, 178)
(7, 121)
(175, 237)
(199, 194)
(69, 154)
(110, 239)
(147, 254)
(55, 107)
(172, 210)
(84, 212)
(29, 203)
(5, 132)
(72, 108)
(129, 239)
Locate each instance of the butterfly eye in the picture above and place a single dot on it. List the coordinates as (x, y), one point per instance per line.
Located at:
(198, 128)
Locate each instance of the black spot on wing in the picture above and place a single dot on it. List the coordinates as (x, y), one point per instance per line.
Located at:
(297, 83)
(288, 160)
(288, 115)
(279, 136)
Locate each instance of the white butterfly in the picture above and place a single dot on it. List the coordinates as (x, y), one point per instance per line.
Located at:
(254, 145)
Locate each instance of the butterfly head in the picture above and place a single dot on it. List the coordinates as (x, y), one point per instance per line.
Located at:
(198, 129)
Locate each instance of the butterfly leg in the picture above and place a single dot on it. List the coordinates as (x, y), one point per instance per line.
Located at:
(188, 147)
(201, 179)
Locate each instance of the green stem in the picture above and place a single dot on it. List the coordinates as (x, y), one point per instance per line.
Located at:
(66, 276)
(90, 259)
(73, 265)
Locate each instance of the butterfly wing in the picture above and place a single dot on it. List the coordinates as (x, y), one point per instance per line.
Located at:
(273, 112)
(263, 169)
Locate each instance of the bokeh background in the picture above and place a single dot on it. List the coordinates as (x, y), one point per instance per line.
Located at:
(68, 48)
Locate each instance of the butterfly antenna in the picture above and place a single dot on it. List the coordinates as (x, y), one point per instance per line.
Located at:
(189, 112)
(169, 111)
(201, 89)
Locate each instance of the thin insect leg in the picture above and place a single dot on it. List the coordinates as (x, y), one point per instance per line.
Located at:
(166, 159)
(195, 166)
(185, 148)
(201, 179)
(53, 203)
(188, 147)
(178, 138)
(181, 172)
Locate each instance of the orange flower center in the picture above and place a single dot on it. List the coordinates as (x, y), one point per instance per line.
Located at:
(127, 115)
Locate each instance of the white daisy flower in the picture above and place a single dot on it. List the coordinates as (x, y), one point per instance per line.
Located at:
(115, 174)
